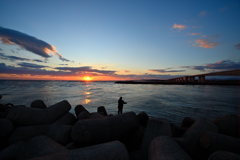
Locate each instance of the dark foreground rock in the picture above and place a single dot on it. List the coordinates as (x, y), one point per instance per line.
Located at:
(40, 134)
(95, 131)
(165, 148)
(25, 116)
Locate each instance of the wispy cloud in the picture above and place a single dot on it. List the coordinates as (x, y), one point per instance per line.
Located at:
(29, 43)
(178, 26)
(126, 71)
(222, 9)
(194, 34)
(63, 64)
(164, 70)
(14, 58)
(221, 65)
(237, 46)
(203, 13)
(207, 43)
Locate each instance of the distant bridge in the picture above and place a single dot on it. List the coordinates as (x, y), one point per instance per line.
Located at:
(201, 77)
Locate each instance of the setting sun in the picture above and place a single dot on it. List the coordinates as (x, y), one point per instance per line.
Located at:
(87, 78)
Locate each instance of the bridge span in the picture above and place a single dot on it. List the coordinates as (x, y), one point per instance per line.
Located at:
(201, 77)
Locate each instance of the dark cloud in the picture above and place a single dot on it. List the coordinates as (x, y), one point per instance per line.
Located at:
(237, 46)
(84, 69)
(37, 60)
(0, 49)
(30, 43)
(64, 59)
(4, 69)
(13, 58)
(33, 69)
(221, 65)
(63, 64)
(165, 70)
(31, 65)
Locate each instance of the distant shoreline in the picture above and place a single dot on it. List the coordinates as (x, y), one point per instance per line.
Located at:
(225, 82)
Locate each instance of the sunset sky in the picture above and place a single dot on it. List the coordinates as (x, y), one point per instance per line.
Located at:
(117, 39)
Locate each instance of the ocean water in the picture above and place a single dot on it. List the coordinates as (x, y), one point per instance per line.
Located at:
(171, 102)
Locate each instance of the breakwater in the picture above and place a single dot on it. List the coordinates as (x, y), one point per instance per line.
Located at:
(166, 82)
(52, 132)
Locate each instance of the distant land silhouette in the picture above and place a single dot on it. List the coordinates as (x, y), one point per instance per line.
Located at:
(191, 79)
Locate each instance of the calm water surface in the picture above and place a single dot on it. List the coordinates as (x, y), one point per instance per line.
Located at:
(171, 102)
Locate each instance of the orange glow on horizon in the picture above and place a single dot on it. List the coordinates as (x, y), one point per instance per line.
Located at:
(61, 78)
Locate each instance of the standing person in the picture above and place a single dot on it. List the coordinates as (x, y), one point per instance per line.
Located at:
(120, 105)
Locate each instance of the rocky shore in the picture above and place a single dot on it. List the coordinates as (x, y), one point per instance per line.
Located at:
(39, 132)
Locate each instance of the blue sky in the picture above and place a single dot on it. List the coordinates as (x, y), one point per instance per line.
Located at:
(114, 40)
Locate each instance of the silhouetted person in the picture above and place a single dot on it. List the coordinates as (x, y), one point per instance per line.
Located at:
(120, 105)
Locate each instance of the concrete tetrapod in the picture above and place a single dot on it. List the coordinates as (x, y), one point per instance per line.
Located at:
(6, 127)
(190, 140)
(155, 127)
(94, 131)
(35, 147)
(228, 125)
(38, 104)
(212, 142)
(224, 155)
(102, 110)
(114, 150)
(59, 133)
(67, 119)
(25, 116)
(165, 148)
(79, 108)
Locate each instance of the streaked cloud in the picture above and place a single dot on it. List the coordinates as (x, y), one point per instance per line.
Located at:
(38, 70)
(63, 64)
(31, 65)
(237, 46)
(164, 70)
(194, 34)
(203, 13)
(179, 26)
(85, 69)
(29, 43)
(221, 65)
(126, 71)
(14, 58)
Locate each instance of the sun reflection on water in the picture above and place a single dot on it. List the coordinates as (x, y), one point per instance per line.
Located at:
(88, 95)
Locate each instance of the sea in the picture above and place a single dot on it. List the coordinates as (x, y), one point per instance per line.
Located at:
(170, 102)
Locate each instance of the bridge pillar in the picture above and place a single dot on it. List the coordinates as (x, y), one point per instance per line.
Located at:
(201, 78)
(185, 79)
(192, 79)
(181, 79)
